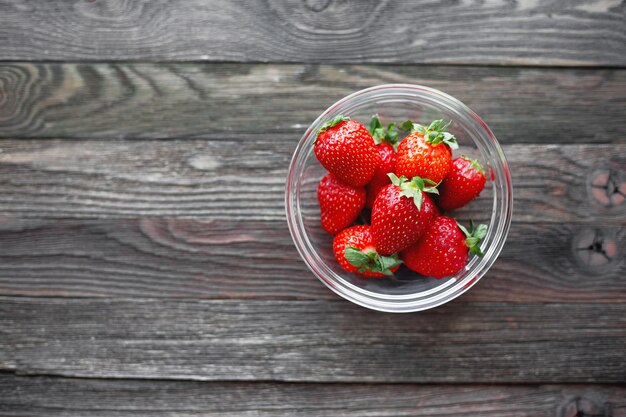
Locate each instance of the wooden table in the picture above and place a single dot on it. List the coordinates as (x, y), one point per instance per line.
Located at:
(145, 263)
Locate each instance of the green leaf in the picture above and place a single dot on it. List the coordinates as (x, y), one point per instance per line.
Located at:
(381, 134)
(475, 249)
(409, 126)
(474, 164)
(415, 194)
(395, 180)
(435, 124)
(463, 229)
(472, 241)
(356, 257)
(371, 261)
(388, 262)
(375, 124)
(431, 190)
(474, 236)
(481, 231)
(384, 264)
(450, 140)
(435, 133)
(414, 189)
(439, 125)
(391, 132)
(406, 126)
(417, 197)
(338, 119)
(378, 135)
(376, 129)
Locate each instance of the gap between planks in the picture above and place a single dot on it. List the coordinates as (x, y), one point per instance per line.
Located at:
(83, 397)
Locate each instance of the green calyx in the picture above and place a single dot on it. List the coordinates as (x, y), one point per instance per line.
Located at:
(415, 188)
(474, 164)
(334, 122)
(371, 261)
(434, 134)
(381, 134)
(474, 236)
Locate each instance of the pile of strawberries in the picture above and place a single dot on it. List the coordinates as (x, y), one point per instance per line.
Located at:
(406, 184)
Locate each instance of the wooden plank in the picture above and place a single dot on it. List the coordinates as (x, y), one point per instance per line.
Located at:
(248, 259)
(557, 32)
(68, 397)
(244, 179)
(125, 100)
(321, 341)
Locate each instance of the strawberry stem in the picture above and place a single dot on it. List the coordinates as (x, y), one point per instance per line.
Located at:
(380, 134)
(371, 261)
(415, 188)
(474, 164)
(474, 236)
(434, 134)
(334, 122)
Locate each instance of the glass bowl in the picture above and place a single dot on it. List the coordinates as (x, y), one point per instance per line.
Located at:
(406, 291)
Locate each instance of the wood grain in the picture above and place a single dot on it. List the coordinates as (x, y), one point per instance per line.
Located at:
(68, 397)
(247, 259)
(245, 179)
(146, 199)
(525, 32)
(321, 341)
(124, 100)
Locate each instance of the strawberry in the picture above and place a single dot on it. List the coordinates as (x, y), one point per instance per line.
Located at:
(355, 252)
(345, 148)
(401, 213)
(387, 142)
(444, 248)
(464, 183)
(340, 204)
(426, 151)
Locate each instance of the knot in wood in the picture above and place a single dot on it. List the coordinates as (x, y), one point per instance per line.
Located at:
(596, 249)
(317, 5)
(585, 407)
(607, 187)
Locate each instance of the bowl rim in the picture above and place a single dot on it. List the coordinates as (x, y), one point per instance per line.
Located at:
(388, 302)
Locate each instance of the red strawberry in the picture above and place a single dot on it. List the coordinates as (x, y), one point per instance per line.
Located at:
(425, 152)
(464, 183)
(355, 252)
(345, 148)
(401, 213)
(444, 248)
(340, 204)
(386, 142)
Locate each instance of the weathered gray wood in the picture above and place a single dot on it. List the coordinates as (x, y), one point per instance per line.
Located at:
(244, 179)
(320, 341)
(52, 397)
(247, 259)
(556, 32)
(181, 100)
